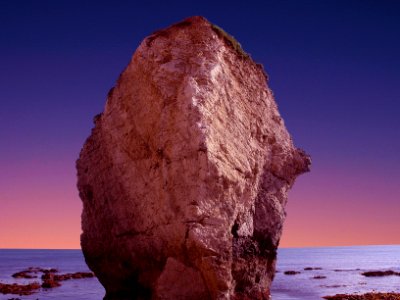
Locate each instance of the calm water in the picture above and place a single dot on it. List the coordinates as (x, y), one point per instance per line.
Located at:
(66, 261)
(351, 261)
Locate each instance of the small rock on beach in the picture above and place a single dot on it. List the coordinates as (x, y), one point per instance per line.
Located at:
(380, 273)
(19, 289)
(291, 272)
(319, 277)
(50, 279)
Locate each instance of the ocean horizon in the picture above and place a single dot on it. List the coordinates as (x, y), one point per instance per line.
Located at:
(318, 272)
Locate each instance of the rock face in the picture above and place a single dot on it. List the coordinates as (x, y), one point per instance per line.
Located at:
(184, 178)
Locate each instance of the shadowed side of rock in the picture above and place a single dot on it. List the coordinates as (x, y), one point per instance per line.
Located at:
(184, 178)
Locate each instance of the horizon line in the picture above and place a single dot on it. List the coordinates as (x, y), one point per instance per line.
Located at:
(294, 247)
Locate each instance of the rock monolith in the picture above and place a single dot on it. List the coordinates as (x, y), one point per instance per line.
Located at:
(185, 175)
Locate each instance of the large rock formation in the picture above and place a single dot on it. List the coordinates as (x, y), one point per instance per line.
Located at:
(185, 176)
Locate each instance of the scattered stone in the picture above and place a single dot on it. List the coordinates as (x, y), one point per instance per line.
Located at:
(31, 272)
(49, 280)
(312, 268)
(19, 289)
(50, 283)
(319, 277)
(52, 270)
(23, 274)
(67, 276)
(291, 272)
(186, 172)
(41, 270)
(368, 296)
(78, 275)
(380, 273)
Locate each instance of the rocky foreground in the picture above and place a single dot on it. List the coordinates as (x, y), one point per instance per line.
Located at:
(49, 279)
(185, 176)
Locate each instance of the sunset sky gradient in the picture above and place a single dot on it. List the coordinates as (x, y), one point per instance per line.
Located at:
(334, 67)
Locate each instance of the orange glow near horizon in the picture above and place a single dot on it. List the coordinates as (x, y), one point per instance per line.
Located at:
(40, 207)
(327, 210)
(336, 209)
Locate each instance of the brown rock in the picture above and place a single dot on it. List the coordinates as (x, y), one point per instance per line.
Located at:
(52, 270)
(19, 289)
(81, 275)
(32, 271)
(49, 281)
(77, 275)
(319, 277)
(184, 178)
(380, 273)
(176, 282)
(312, 268)
(24, 274)
(291, 272)
(66, 276)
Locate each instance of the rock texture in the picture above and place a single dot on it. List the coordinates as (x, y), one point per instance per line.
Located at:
(184, 178)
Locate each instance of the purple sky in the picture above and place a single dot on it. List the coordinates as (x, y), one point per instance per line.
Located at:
(334, 67)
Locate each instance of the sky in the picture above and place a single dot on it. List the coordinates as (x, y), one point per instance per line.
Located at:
(334, 67)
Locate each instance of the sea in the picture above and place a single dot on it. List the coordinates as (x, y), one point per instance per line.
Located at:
(340, 268)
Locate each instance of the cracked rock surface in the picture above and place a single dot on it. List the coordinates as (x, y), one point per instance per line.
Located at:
(185, 175)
